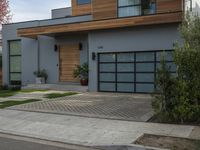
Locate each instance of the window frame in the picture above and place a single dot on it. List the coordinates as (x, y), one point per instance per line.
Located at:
(9, 61)
(135, 5)
(83, 3)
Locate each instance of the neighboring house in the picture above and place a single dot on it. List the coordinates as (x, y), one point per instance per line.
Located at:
(0, 59)
(121, 40)
(193, 5)
(0, 43)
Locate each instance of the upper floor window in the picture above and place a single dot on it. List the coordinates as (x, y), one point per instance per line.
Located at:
(136, 7)
(81, 2)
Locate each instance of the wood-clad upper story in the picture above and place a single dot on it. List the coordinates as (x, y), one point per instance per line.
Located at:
(106, 9)
(81, 9)
(108, 14)
(102, 9)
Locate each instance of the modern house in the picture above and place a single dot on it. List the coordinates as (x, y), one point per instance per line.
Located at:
(121, 40)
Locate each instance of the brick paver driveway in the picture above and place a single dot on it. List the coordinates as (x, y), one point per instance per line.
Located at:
(98, 105)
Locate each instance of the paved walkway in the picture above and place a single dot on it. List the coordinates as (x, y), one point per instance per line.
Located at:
(84, 131)
(32, 95)
(98, 105)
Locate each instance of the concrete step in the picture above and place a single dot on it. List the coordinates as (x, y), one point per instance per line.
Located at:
(58, 87)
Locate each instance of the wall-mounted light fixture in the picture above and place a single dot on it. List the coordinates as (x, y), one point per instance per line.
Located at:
(55, 48)
(94, 56)
(80, 46)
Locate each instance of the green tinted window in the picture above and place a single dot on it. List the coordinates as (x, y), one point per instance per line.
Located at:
(15, 48)
(15, 62)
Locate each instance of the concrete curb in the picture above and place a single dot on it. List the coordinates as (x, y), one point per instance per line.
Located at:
(73, 146)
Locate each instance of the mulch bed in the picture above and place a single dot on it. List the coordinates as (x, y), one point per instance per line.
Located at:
(167, 142)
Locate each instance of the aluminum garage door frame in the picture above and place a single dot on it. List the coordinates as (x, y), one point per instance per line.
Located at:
(142, 71)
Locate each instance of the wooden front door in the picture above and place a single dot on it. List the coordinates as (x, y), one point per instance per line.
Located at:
(69, 57)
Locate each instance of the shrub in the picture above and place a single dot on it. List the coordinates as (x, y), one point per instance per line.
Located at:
(164, 97)
(179, 97)
(81, 71)
(41, 74)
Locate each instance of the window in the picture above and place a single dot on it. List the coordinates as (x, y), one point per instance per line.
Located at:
(15, 62)
(81, 2)
(136, 7)
(148, 7)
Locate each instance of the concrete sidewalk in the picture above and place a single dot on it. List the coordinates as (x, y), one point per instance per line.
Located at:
(84, 131)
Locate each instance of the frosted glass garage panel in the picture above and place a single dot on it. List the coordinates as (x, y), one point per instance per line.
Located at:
(107, 77)
(144, 88)
(145, 67)
(168, 56)
(15, 64)
(125, 77)
(125, 67)
(107, 57)
(107, 87)
(15, 47)
(145, 77)
(125, 87)
(107, 67)
(146, 56)
(125, 57)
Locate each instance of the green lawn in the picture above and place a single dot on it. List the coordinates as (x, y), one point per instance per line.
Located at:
(57, 95)
(13, 103)
(7, 93)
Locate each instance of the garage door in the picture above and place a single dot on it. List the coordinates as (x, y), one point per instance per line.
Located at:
(132, 72)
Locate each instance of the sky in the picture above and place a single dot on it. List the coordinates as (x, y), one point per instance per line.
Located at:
(26, 10)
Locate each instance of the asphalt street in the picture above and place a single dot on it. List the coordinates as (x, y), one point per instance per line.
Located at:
(8, 142)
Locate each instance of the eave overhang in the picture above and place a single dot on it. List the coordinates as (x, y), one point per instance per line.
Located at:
(164, 18)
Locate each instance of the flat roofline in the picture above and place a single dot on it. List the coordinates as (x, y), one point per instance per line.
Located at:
(31, 32)
(46, 19)
(61, 8)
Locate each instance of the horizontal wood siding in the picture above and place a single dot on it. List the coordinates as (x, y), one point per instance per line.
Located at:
(69, 57)
(164, 6)
(78, 10)
(103, 24)
(102, 9)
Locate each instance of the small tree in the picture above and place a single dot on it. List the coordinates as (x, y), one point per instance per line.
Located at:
(4, 12)
(187, 57)
(164, 97)
(179, 97)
